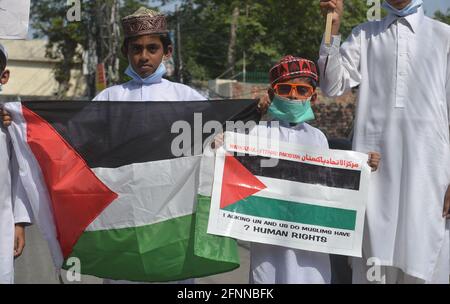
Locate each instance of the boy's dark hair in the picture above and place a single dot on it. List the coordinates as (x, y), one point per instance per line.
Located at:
(311, 81)
(2, 62)
(165, 40)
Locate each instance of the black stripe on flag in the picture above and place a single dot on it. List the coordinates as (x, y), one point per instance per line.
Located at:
(303, 172)
(114, 134)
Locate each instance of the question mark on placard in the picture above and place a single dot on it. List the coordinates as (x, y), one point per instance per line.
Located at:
(246, 227)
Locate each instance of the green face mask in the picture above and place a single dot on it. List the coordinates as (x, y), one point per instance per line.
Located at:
(291, 111)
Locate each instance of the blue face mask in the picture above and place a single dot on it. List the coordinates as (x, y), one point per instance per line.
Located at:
(408, 10)
(291, 111)
(153, 78)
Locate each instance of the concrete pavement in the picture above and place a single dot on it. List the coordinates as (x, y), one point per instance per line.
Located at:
(35, 266)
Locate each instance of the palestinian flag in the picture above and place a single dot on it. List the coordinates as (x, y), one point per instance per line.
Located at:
(243, 178)
(305, 197)
(106, 186)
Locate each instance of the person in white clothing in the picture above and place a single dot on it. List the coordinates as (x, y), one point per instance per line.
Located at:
(146, 45)
(293, 89)
(15, 213)
(402, 67)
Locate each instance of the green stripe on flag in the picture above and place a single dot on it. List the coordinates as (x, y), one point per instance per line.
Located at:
(295, 212)
(218, 247)
(175, 249)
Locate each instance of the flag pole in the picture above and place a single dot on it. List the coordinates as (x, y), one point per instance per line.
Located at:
(328, 28)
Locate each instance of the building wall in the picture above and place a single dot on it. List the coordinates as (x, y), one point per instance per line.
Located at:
(334, 119)
(32, 73)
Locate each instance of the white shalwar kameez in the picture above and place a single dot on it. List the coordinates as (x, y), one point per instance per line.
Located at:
(14, 207)
(402, 67)
(135, 92)
(271, 264)
(163, 91)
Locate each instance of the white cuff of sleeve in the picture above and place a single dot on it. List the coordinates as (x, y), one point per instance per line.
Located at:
(23, 220)
(334, 47)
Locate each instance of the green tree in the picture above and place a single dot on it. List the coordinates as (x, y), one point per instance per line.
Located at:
(443, 17)
(67, 40)
(266, 30)
(49, 20)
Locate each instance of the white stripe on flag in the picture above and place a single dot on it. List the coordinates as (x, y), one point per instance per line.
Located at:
(317, 194)
(149, 193)
(207, 171)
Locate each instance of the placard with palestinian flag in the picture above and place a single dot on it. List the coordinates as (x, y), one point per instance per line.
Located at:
(121, 188)
(288, 195)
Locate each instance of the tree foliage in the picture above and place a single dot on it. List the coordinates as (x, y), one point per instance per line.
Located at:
(49, 20)
(67, 40)
(267, 30)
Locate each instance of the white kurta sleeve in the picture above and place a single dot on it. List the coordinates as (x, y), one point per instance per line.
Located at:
(102, 96)
(447, 83)
(194, 95)
(322, 140)
(340, 66)
(21, 205)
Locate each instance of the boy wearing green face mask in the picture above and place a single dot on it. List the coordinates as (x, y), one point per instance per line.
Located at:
(293, 82)
(293, 89)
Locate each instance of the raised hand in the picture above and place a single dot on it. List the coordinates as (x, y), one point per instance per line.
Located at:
(5, 118)
(337, 6)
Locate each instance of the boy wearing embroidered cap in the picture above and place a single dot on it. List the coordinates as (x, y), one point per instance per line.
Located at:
(292, 89)
(146, 45)
(293, 84)
(293, 80)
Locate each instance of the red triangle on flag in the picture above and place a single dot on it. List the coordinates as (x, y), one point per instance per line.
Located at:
(77, 195)
(238, 182)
